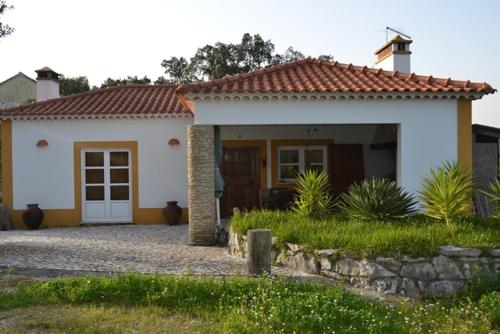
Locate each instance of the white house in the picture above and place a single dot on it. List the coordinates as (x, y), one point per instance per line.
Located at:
(354, 122)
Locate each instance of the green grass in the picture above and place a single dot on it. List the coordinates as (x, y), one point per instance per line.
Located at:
(414, 236)
(79, 319)
(147, 303)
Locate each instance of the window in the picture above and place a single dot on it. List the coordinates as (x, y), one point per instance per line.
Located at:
(294, 159)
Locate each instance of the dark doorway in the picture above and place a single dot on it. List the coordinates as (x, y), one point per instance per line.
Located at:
(240, 170)
(346, 166)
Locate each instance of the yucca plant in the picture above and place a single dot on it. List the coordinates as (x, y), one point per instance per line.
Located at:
(446, 193)
(313, 197)
(377, 199)
(493, 194)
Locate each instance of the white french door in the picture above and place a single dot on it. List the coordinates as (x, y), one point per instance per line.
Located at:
(106, 185)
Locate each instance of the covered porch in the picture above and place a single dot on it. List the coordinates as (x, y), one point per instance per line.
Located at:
(259, 163)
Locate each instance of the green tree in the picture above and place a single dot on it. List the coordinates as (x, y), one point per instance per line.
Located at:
(4, 28)
(135, 80)
(223, 59)
(73, 85)
(179, 70)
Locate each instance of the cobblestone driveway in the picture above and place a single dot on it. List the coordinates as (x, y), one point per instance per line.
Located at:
(139, 248)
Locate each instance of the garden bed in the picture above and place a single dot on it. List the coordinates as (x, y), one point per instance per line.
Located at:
(414, 257)
(415, 236)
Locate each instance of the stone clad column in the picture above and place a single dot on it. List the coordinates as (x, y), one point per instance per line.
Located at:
(201, 185)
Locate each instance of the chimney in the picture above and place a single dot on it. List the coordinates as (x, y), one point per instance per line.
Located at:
(47, 84)
(395, 55)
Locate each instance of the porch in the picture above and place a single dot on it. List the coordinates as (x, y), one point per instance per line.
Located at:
(259, 164)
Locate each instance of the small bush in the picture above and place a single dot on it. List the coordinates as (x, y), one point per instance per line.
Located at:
(447, 193)
(493, 193)
(377, 199)
(313, 199)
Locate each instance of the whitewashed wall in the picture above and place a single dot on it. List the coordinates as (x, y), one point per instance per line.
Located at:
(377, 163)
(427, 128)
(45, 175)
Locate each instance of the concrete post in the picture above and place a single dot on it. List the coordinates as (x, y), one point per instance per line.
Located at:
(201, 185)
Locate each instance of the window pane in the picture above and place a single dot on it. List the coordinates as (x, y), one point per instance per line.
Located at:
(314, 156)
(94, 193)
(289, 172)
(118, 158)
(315, 167)
(119, 193)
(94, 159)
(289, 156)
(94, 176)
(119, 175)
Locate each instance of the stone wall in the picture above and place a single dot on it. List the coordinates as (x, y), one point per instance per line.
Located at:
(412, 277)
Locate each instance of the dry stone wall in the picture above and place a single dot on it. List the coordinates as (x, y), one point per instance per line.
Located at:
(446, 272)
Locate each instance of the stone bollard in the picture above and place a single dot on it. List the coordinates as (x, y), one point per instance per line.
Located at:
(259, 251)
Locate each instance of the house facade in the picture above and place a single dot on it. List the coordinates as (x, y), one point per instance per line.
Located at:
(117, 155)
(17, 90)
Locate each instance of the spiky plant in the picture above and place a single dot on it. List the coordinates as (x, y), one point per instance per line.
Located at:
(313, 197)
(446, 193)
(493, 194)
(377, 199)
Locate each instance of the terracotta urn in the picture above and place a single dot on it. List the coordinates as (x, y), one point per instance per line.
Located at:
(172, 213)
(33, 216)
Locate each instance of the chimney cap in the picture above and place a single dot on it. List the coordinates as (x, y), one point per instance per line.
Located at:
(46, 73)
(395, 39)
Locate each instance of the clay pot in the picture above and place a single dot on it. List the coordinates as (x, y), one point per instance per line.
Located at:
(33, 216)
(172, 213)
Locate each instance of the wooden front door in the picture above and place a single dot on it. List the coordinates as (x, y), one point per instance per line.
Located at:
(240, 170)
(346, 166)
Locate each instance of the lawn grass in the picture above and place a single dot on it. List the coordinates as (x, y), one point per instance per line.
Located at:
(149, 304)
(78, 319)
(414, 236)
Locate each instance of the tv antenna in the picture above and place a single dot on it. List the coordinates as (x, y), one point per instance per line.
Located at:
(387, 29)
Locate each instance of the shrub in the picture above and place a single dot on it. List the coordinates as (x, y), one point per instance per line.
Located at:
(447, 193)
(377, 199)
(493, 193)
(313, 199)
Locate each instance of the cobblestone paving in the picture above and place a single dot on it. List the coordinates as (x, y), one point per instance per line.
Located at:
(138, 248)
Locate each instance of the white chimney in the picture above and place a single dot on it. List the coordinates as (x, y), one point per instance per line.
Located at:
(47, 84)
(394, 55)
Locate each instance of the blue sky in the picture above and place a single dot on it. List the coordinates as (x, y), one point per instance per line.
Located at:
(101, 39)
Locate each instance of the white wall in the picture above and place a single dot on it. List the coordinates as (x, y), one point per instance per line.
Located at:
(45, 175)
(46, 90)
(427, 128)
(400, 62)
(378, 163)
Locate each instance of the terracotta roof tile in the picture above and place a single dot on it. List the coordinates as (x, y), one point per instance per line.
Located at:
(127, 101)
(321, 76)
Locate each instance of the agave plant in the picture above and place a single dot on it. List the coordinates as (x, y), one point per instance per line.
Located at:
(313, 198)
(377, 199)
(447, 193)
(493, 193)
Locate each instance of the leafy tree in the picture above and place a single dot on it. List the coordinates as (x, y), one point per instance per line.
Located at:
(222, 59)
(109, 82)
(179, 70)
(74, 85)
(4, 28)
